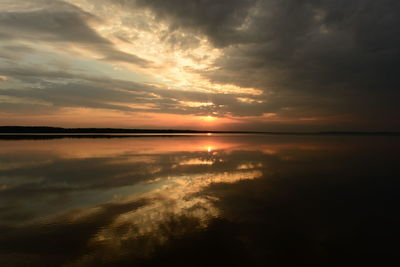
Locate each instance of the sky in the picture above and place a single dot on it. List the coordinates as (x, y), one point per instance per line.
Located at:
(257, 65)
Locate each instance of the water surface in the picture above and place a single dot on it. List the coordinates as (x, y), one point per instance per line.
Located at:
(218, 200)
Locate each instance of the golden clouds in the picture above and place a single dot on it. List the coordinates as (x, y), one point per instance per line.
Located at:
(178, 57)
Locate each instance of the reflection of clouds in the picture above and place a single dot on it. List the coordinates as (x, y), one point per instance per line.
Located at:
(70, 173)
(173, 197)
(133, 159)
(196, 161)
(41, 180)
(5, 166)
(98, 148)
(247, 166)
(129, 207)
(97, 183)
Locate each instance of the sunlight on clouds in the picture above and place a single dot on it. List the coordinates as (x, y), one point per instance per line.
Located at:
(249, 100)
(196, 104)
(141, 106)
(227, 59)
(117, 52)
(177, 57)
(207, 86)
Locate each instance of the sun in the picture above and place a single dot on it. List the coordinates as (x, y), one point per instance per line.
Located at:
(208, 118)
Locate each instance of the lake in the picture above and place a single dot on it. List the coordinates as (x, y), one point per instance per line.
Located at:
(200, 200)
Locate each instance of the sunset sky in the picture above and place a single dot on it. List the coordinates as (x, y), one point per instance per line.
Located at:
(201, 64)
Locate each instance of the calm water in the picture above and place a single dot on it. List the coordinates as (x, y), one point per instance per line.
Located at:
(230, 200)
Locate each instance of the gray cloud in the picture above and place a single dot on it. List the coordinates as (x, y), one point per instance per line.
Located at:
(59, 22)
(317, 58)
(52, 24)
(67, 89)
(313, 59)
(221, 20)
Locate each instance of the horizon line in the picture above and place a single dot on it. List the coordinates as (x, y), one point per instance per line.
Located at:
(13, 129)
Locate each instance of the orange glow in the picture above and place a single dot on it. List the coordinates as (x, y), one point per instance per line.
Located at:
(97, 148)
(208, 118)
(90, 117)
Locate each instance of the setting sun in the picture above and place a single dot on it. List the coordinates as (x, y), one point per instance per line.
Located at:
(208, 118)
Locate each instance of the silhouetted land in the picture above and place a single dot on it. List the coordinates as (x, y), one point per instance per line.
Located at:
(44, 132)
(45, 129)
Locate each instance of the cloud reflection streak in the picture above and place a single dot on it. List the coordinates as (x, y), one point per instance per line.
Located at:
(125, 194)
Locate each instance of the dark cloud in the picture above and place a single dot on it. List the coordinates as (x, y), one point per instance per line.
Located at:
(221, 20)
(318, 58)
(312, 59)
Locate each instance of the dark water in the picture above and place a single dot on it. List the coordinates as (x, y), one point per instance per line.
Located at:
(200, 201)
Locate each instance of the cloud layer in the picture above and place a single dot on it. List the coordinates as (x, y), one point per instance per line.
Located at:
(255, 64)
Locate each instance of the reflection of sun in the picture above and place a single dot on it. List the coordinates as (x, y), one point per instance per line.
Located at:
(210, 147)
